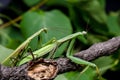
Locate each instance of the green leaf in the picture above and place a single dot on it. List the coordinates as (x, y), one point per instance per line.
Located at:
(104, 63)
(9, 36)
(4, 37)
(94, 9)
(56, 22)
(31, 2)
(113, 24)
(4, 53)
(102, 3)
(75, 75)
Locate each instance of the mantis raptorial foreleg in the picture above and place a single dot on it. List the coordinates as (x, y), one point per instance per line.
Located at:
(21, 48)
(81, 61)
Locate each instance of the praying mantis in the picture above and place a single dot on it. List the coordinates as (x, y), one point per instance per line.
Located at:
(48, 48)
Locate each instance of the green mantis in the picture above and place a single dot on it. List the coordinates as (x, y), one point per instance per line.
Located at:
(48, 48)
(52, 46)
(40, 52)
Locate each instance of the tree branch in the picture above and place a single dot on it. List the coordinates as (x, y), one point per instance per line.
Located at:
(99, 49)
(48, 68)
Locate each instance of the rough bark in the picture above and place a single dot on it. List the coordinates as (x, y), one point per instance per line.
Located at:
(99, 49)
(60, 65)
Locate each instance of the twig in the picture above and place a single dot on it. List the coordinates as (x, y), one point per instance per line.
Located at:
(10, 22)
(20, 17)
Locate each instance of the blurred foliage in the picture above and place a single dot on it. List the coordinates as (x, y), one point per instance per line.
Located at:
(61, 17)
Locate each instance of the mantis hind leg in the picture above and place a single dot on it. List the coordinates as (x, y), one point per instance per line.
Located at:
(97, 71)
(81, 61)
(85, 69)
